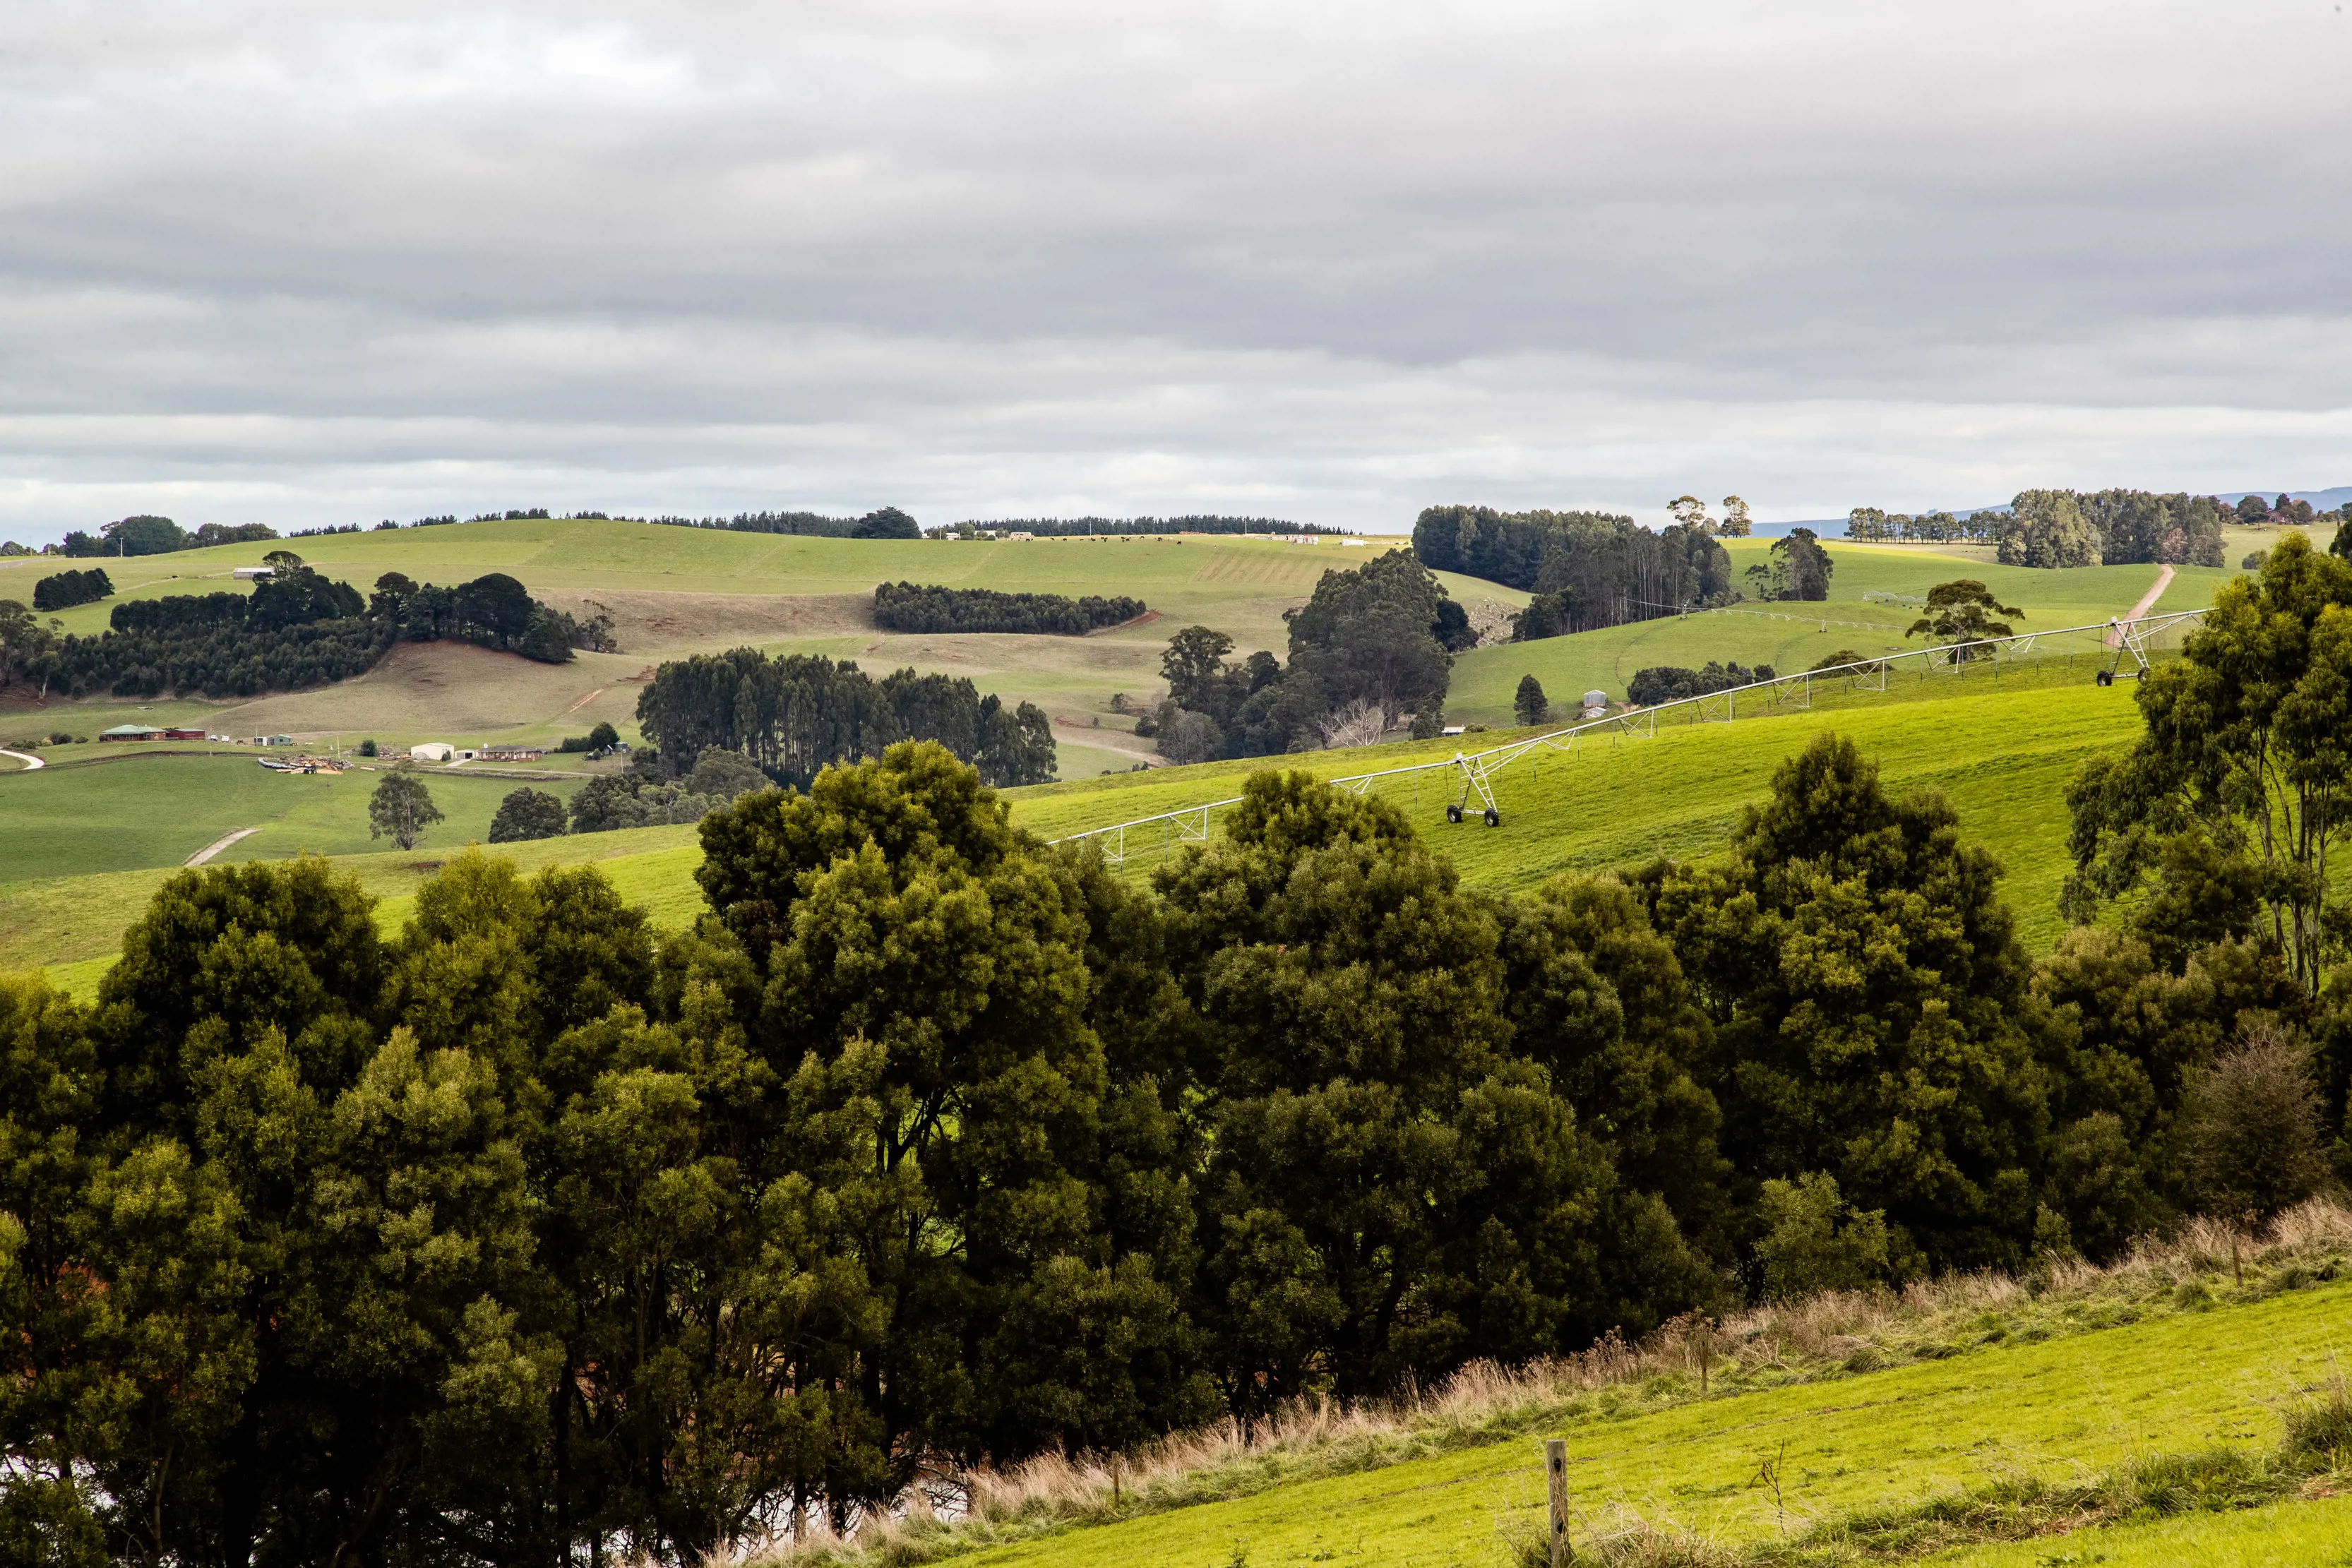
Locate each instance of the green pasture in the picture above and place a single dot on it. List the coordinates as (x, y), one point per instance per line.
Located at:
(2057, 1408)
(122, 812)
(2002, 753)
(2002, 750)
(72, 925)
(1793, 637)
(2300, 1534)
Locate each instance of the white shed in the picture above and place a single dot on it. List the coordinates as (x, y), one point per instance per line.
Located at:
(431, 752)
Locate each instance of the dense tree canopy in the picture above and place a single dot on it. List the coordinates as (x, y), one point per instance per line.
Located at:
(911, 607)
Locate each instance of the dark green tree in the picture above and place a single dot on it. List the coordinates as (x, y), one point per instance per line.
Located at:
(144, 536)
(1529, 702)
(1194, 668)
(1390, 1190)
(1960, 616)
(527, 813)
(926, 995)
(1865, 983)
(2248, 747)
(401, 808)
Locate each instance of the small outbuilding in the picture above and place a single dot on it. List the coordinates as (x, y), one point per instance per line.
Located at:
(431, 751)
(252, 573)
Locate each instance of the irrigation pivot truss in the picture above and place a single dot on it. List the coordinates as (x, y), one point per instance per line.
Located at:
(1469, 778)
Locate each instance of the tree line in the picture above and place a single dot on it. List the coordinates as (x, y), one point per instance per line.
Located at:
(159, 535)
(1669, 683)
(1085, 528)
(885, 523)
(297, 629)
(2069, 528)
(1370, 648)
(1591, 569)
(65, 589)
(493, 610)
(796, 713)
(912, 607)
(528, 1230)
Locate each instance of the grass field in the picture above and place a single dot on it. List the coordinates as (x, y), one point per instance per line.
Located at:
(673, 591)
(2082, 1402)
(2188, 1398)
(102, 815)
(677, 590)
(1795, 637)
(2003, 754)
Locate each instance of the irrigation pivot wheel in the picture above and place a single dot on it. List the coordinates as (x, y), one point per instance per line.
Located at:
(1453, 812)
(1494, 818)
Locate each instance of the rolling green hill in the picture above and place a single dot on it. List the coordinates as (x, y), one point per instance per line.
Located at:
(678, 591)
(1793, 637)
(2003, 751)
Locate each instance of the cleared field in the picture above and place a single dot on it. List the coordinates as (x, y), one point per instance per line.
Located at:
(143, 811)
(1795, 637)
(72, 927)
(2002, 752)
(2053, 1410)
(673, 591)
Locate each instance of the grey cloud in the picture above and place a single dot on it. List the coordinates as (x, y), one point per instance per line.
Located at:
(1339, 260)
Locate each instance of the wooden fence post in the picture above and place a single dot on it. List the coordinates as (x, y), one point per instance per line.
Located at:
(1556, 1479)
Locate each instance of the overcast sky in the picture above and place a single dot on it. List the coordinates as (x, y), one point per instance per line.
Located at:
(323, 264)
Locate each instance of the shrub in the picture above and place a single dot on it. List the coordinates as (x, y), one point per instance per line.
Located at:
(1814, 1242)
(2250, 1127)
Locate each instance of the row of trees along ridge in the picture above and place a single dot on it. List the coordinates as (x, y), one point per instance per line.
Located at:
(297, 628)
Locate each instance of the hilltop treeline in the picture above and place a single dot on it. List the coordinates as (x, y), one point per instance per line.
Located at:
(1592, 570)
(912, 607)
(887, 523)
(65, 589)
(796, 713)
(1078, 527)
(2068, 528)
(531, 1235)
(159, 535)
(297, 629)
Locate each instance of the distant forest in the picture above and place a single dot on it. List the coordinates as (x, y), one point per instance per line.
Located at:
(913, 607)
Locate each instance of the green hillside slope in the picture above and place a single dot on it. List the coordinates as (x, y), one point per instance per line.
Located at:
(2170, 1403)
(2002, 752)
(2050, 1410)
(1793, 637)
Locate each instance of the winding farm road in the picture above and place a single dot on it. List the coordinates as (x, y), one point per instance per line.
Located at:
(26, 758)
(210, 850)
(2147, 602)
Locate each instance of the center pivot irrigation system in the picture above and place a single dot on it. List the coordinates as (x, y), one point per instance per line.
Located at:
(1469, 778)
